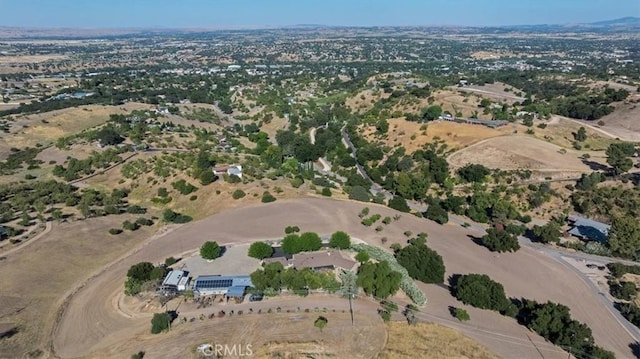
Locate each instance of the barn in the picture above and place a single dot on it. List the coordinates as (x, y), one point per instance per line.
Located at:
(230, 286)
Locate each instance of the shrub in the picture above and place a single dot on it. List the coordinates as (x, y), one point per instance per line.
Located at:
(362, 257)
(183, 187)
(115, 231)
(130, 226)
(460, 314)
(297, 182)
(385, 315)
(359, 193)
(623, 290)
(170, 261)
(144, 221)
(135, 209)
(175, 217)
(237, 194)
(160, 322)
(267, 197)
(326, 192)
(291, 229)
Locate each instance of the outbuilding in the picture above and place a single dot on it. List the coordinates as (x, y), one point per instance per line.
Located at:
(231, 286)
(587, 229)
(175, 281)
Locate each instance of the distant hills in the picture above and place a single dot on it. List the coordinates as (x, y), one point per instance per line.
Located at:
(623, 21)
(625, 24)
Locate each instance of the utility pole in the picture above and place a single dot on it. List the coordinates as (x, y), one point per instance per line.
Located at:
(351, 295)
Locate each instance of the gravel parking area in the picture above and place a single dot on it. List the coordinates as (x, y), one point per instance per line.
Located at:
(234, 261)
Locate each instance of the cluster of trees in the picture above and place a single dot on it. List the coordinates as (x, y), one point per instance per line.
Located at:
(305, 242)
(378, 279)
(500, 241)
(547, 233)
(624, 237)
(17, 157)
(142, 276)
(184, 187)
(76, 168)
(625, 291)
(618, 157)
(607, 202)
(550, 320)
(422, 263)
(473, 172)
(273, 277)
(407, 284)
(553, 322)
(480, 291)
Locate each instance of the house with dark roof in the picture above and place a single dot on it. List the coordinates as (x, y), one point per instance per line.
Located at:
(319, 260)
(588, 229)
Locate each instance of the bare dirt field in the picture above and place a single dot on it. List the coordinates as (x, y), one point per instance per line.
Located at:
(54, 264)
(455, 135)
(430, 341)
(520, 152)
(91, 325)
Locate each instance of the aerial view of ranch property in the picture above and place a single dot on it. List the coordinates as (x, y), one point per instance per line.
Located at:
(320, 179)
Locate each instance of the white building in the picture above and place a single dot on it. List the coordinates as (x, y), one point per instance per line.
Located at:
(175, 281)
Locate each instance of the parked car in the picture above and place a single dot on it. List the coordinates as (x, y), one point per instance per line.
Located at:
(256, 297)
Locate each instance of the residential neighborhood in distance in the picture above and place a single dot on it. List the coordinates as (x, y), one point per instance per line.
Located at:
(320, 179)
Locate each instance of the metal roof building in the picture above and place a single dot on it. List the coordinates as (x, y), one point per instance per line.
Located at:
(588, 229)
(175, 281)
(231, 286)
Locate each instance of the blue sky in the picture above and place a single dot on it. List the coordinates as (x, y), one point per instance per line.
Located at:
(239, 13)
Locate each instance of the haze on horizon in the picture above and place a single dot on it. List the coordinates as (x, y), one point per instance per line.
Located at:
(256, 13)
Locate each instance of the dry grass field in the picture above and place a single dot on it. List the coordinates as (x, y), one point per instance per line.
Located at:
(624, 122)
(28, 130)
(430, 341)
(283, 335)
(90, 324)
(409, 134)
(520, 152)
(30, 59)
